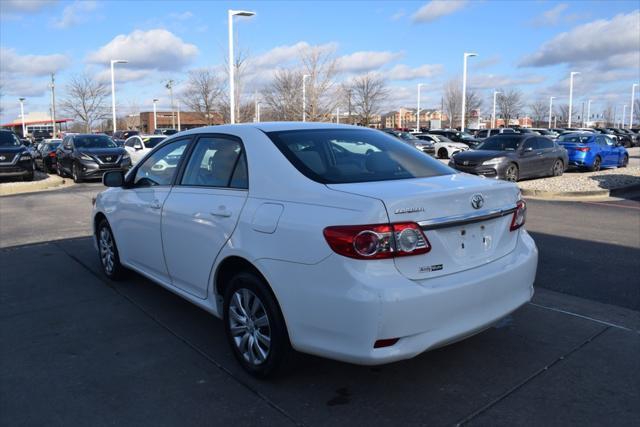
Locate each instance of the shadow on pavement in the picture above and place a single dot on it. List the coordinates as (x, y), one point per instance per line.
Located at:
(78, 347)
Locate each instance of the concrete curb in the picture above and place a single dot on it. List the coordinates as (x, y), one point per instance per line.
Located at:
(615, 192)
(12, 188)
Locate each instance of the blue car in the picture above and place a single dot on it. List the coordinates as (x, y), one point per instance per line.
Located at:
(593, 151)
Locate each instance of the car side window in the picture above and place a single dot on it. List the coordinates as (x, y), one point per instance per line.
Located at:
(129, 142)
(213, 162)
(530, 143)
(544, 143)
(161, 166)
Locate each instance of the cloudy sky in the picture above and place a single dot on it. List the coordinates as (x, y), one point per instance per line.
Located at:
(531, 45)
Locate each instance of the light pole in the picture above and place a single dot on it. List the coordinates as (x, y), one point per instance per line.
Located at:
(633, 92)
(551, 98)
(232, 83)
(624, 115)
(464, 87)
(337, 115)
(493, 116)
(113, 90)
(22, 116)
(573, 73)
(304, 97)
(418, 111)
(588, 111)
(155, 115)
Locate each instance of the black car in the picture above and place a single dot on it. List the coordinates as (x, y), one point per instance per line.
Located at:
(39, 135)
(15, 159)
(120, 136)
(167, 132)
(486, 133)
(625, 139)
(512, 157)
(457, 136)
(85, 156)
(45, 155)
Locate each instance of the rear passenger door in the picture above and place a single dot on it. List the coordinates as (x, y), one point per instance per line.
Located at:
(609, 155)
(202, 211)
(549, 154)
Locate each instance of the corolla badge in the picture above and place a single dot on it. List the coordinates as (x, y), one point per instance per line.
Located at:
(477, 201)
(408, 210)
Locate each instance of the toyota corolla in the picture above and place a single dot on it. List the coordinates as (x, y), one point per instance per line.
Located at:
(332, 240)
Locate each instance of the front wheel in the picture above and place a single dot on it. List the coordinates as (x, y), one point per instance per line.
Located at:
(443, 153)
(558, 168)
(254, 325)
(77, 178)
(108, 252)
(511, 174)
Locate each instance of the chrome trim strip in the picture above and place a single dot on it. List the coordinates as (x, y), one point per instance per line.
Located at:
(454, 220)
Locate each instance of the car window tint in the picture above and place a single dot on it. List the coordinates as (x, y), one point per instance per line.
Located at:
(544, 143)
(335, 156)
(240, 178)
(531, 143)
(129, 142)
(160, 167)
(212, 162)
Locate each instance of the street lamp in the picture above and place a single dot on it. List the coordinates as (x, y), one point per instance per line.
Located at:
(624, 115)
(493, 116)
(573, 73)
(304, 97)
(551, 98)
(155, 115)
(232, 100)
(464, 87)
(588, 111)
(24, 131)
(633, 92)
(113, 90)
(418, 112)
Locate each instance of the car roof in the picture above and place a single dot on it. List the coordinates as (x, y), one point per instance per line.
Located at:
(270, 127)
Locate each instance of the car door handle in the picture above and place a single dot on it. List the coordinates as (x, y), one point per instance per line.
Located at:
(155, 205)
(223, 214)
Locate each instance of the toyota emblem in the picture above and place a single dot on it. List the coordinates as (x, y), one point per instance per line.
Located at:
(477, 201)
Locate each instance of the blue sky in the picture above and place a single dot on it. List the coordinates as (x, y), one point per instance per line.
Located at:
(530, 45)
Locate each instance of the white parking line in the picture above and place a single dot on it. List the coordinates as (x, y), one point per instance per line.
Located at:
(602, 322)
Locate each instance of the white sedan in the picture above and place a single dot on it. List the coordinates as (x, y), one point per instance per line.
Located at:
(139, 145)
(445, 148)
(332, 240)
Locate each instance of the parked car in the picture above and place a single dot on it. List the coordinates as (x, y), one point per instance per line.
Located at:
(594, 152)
(86, 156)
(120, 136)
(635, 140)
(624, 139)
(549, 133)
(15, 159)
(167, 132)
(444, 148)
(45, 155)
(457, 136)
(139, 145)
(39, 135)
(486, 133)
(513, 157)
(333, 240)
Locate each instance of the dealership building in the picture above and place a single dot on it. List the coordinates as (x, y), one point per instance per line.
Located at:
(36, 121)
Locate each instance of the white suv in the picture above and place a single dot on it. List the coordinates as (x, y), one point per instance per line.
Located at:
(333, 240)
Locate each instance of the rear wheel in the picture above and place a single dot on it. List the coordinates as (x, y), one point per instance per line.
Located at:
(558, 168)
(108, 252)
(597, 163)
(254, 325)
(511, 174)
(443, 153)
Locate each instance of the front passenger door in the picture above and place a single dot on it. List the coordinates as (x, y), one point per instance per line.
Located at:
(139, 211)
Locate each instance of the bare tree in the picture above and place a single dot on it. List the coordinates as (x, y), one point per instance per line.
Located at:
(510, 104)
(453, 102)
(320, 64)
(539, 112)
(86, 100)
(368, 93)
(282, 96)
(203, 93)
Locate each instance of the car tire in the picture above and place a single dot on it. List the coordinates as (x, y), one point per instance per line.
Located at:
(108, 252)
(597, 164)
(558, 168)
(75, 174)
(59, 171)
(443, 153)
(260, 344)
(625, 161)
(512, 173)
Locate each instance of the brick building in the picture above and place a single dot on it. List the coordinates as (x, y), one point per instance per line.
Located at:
(187, 120)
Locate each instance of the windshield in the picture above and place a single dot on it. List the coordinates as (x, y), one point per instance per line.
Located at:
(441, 138)
(575, 138)
(500, 143)
(407, 135)
(465, 135)
(152, 141)
(94, 141)
(336, 156)
(9, 139)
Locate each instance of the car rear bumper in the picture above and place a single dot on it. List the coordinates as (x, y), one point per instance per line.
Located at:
(340, 307)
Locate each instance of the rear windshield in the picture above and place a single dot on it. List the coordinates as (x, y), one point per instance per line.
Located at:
(53, 145)
(500, 143)
(575, 138)
(338, 156)
(94, 141)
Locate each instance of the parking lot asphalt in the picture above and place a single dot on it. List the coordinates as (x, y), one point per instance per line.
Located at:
(80, 349)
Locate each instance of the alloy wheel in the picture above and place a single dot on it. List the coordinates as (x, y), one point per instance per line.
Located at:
(512, 173)
(107, 253)
(596, 164)
(557, 168)
(249, 326)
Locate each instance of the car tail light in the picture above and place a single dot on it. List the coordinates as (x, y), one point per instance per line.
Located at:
(519, 216)
(377, 241)
(52, 154)
(583, 149)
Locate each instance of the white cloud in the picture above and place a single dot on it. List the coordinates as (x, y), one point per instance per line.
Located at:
(21, 87)
(30, 65)
(75, 13)
(181, 16)
(592, 42)
(280, 55)
(552, 16)
(156, 49)
(404, 72)
(366, 60)
(436, 9)
(30, 6)
(122, 75)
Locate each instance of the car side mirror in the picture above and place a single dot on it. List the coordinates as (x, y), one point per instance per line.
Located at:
(113, 179)
(137, 146)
